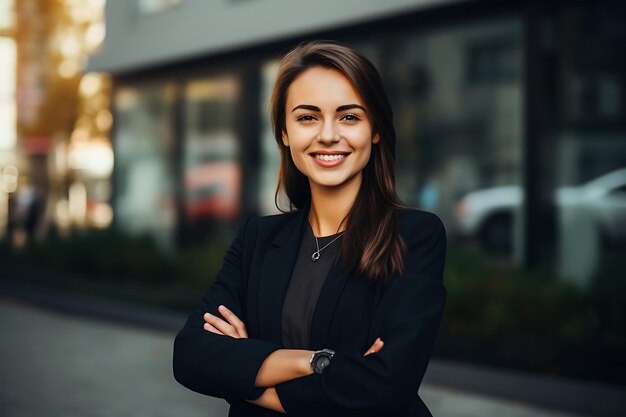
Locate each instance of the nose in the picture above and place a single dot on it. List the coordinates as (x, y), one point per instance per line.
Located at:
(328, 134)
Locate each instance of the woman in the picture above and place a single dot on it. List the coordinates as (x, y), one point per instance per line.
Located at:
(330, 309)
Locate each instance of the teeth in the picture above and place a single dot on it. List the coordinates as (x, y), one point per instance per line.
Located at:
(329, 157)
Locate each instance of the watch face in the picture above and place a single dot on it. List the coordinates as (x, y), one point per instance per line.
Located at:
(323, 362)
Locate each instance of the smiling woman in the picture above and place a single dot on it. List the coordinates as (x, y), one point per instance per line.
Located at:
(333, 307)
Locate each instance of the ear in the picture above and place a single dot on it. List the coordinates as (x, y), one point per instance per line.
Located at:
(285, 139)
(376, 138)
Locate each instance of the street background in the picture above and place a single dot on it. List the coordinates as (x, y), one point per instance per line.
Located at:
(55, 364)
(135, 138)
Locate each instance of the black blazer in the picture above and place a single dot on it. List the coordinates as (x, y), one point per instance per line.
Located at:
(350, 313)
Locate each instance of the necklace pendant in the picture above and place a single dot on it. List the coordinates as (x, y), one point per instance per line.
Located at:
(315, 256)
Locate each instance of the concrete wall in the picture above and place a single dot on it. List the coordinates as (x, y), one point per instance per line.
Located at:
(203, 27)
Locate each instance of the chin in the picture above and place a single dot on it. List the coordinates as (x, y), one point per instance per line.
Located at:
(332, 182)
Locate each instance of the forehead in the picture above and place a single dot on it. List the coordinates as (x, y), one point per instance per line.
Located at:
(320, 86)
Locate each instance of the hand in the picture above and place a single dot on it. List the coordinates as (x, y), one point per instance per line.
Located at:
(376, 347)
(269, 399)
(232, 327)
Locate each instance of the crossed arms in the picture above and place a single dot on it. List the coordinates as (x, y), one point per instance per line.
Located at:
(280, 366)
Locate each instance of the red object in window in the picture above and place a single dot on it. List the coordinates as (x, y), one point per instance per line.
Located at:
(212, 191)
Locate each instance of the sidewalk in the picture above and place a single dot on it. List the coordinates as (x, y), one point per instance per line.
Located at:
(54, 364)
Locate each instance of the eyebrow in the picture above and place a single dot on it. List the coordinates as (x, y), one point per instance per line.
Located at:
(317, 109)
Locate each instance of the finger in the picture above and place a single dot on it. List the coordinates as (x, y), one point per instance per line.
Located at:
(210, 328)
(221, 325)
(376, 347)
(234, 321)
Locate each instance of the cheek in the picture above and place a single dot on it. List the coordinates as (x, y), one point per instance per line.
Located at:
(298, 158)
(364, 143)
(365, 154)
(299, 142)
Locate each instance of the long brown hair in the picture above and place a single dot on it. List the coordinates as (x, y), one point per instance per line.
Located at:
(372, 248)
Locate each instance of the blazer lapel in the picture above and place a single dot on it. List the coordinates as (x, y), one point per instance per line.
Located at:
(276, 274)
(329, 297)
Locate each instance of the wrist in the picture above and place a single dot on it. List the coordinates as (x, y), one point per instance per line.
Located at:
(305, 362)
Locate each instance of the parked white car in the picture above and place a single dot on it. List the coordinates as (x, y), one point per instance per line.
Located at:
(488, 214)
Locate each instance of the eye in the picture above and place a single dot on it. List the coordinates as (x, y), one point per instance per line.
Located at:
(306, 118)
(351, 117)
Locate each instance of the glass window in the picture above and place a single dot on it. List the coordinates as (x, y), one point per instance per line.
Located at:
(492, 60)
(144, 174)
(211, 155)
(270, 153)
(591, 146)
(458, 105)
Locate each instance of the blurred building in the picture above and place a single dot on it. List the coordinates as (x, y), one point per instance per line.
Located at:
(506, 113)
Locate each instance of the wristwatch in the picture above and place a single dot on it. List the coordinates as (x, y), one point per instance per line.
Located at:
(320, 360)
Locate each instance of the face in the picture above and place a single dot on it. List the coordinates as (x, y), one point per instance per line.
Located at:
(328, 128)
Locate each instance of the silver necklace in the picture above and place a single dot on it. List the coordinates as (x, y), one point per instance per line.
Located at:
(316, 254)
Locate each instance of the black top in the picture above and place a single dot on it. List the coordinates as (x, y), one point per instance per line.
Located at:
(304, 288)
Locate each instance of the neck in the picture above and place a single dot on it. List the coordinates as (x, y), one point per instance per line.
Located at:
(330, 205)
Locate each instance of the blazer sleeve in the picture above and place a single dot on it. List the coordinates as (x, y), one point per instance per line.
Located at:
(407, 320)
(216, 365)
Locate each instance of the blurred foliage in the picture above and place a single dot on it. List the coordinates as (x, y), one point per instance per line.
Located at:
(528, 320)
(108, 264)
(495, 314)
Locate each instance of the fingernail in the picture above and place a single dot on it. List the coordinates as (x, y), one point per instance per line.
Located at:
(209, 315)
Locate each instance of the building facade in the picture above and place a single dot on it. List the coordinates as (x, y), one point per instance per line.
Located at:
(510, 116)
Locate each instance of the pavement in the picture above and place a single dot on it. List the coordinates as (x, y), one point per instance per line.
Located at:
(59, 364)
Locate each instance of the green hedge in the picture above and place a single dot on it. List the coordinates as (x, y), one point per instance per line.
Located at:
(507, 317)
(109, 264)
